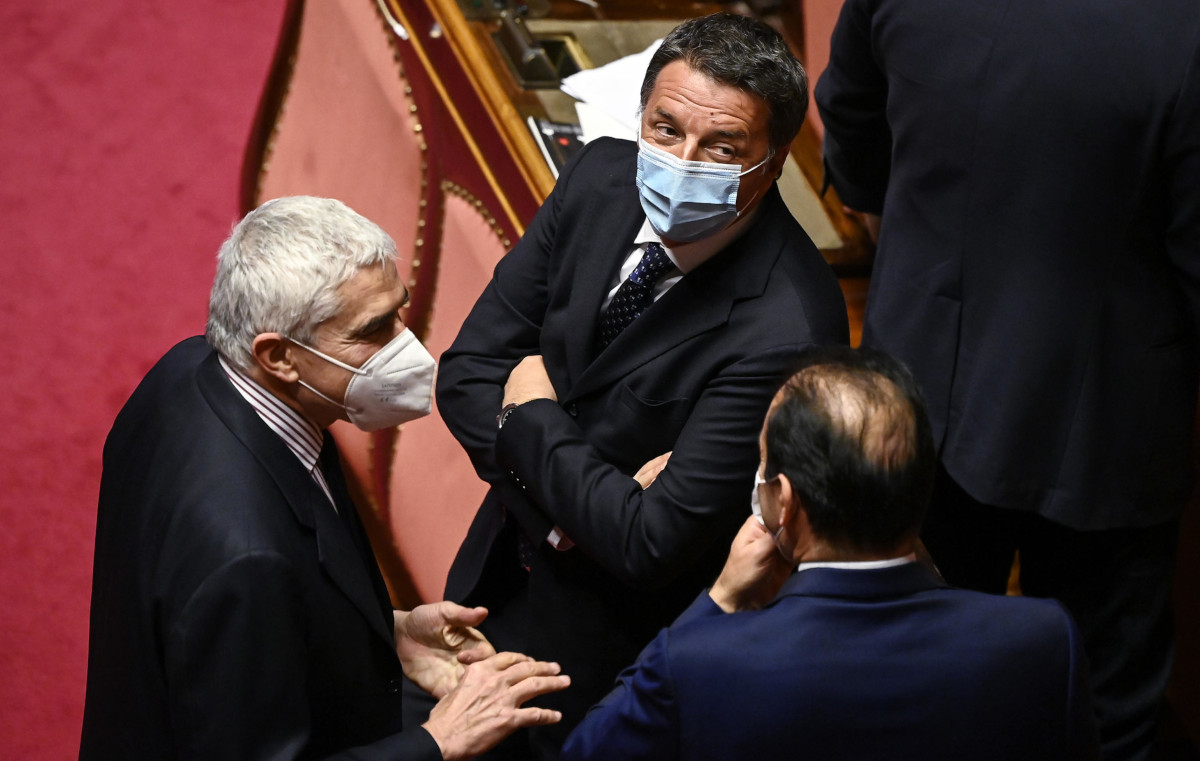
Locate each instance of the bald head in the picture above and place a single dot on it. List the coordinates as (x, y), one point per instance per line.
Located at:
(850, 432)
(864, 408)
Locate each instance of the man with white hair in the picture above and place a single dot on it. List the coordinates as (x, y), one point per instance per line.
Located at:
(237, 609)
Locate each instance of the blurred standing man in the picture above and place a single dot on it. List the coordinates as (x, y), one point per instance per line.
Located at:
(1036, 167)
(560, 395)
(858, 651)
(237, 609)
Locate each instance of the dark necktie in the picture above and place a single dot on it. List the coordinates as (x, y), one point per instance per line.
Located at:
(634, 295)
(331, 469)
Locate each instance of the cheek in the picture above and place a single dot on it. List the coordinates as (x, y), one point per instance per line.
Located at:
(327, 379)
(754, 186)
(338, 379)
(358, 356)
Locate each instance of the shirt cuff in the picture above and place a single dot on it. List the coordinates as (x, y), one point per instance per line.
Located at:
(558, 540)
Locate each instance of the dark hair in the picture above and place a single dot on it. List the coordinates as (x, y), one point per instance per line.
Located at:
(851, 432)
(744, 53)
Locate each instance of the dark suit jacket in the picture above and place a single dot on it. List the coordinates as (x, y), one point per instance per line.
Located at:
(234, 615)
(694, 374)
(1037, 165)
(880, 664)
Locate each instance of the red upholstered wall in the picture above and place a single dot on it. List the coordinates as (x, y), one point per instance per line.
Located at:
(820, 16)
(122, 127)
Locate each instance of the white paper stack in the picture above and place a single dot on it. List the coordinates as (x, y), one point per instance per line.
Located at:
(610, 96)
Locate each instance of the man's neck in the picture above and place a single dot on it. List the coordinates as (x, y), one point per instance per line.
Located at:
(284, 392)
(823, 552)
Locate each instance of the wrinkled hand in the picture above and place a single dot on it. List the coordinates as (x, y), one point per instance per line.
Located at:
(529, 381)
(754, 571)
(648, 472)
(430, 639)
(485, 707)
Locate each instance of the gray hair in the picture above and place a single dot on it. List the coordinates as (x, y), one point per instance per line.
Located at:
(280, 270)
(744, 53)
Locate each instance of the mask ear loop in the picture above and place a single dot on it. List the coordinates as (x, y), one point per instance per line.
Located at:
(770, 155)
(328, 358)
(779, 531)
(756, 167)
(778, 546)
(332, 361)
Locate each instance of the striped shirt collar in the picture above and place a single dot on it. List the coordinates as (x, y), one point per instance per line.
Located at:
(301, 435)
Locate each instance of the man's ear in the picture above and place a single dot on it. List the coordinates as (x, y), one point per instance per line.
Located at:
(274, 355)
(793, 516)
(788, 501)
(779, 159)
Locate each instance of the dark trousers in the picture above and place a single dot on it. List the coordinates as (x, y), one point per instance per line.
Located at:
(1116, 583)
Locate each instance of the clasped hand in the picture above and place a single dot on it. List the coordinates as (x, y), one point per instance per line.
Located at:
(481, 691)
(430, 639)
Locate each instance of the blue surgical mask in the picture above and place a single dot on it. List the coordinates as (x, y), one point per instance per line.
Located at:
(687, 200)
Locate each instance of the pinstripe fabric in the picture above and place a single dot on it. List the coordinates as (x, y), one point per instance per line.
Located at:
(301, 435)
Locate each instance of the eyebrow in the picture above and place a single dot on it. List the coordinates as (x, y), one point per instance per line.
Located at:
(728, 134)
(383, 319)
(374, 325)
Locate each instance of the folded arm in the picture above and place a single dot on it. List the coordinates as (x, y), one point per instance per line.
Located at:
(504, 326)
(647, 537)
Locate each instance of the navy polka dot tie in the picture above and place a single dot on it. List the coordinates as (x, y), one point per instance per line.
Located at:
(635, 294)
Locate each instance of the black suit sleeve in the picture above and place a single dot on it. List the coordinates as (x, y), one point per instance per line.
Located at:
(852, 99)
(504, 326)
(649, 537)
(1183, 187)
(234, 660)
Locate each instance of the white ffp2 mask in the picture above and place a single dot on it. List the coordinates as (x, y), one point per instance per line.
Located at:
(394, 386)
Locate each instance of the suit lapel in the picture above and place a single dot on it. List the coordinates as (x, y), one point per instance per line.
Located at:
(701, 301)
(593, 275)
(377, 602)
(335, 548)
(342, 558)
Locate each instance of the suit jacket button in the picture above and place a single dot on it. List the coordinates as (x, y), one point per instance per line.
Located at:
(394, 686)
(572, 410)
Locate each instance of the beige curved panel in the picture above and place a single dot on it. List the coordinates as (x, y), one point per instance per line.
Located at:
(434, 491)
(820, 16)
(348, 129)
